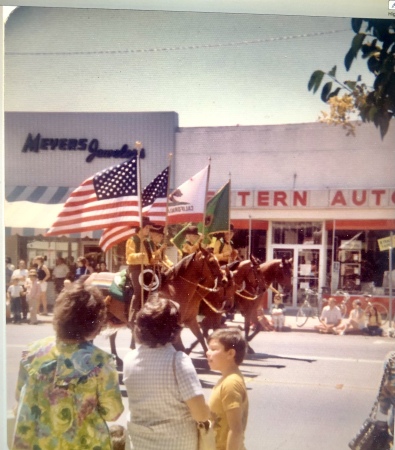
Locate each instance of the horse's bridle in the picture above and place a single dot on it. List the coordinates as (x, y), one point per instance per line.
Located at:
(198, 284)
(248, 296)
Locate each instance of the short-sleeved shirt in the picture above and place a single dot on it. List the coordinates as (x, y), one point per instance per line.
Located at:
(229, 393)
(159, 418)
(331, 316)
(66, 393)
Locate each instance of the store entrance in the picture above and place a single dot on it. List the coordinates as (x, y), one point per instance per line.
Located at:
(307, 269)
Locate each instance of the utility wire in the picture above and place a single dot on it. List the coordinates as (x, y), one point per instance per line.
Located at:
(181, 47)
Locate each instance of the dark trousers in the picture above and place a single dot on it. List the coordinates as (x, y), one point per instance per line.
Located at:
(24, 306)
(16, 308)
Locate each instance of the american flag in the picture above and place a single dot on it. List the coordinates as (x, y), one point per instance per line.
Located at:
(154, 206)
(107, 199)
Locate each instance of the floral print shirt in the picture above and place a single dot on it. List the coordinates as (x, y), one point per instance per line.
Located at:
(66, 393)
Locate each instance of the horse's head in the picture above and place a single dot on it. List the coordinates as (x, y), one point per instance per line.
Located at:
(279, 271)
(285, 274)
(246, 277)
(210, 269)
(223, 297)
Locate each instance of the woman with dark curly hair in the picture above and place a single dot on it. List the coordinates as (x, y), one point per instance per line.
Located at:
(67, 388)
(165, 395)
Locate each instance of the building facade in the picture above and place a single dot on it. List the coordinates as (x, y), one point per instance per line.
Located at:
(301, 191)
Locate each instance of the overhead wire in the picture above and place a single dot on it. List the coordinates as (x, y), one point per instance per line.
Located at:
(179, 47)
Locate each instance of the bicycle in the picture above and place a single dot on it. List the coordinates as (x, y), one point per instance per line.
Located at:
(306, 309)
(366, 303)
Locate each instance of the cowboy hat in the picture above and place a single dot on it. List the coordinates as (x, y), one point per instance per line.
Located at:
(157, 229)
(192, 230)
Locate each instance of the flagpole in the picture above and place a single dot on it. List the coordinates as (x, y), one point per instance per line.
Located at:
(205, 199)
(249, 236)
(138, 145)
(167, 199)
(230, 190)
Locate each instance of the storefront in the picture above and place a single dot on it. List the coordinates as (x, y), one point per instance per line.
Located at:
(48, 155)
(293, 193)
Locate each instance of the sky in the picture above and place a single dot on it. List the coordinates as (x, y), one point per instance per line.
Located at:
(213, 69)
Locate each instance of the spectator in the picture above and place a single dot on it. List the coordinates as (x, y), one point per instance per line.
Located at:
(14, 297)
(59, 274)
(43, 276)
(22, 274)
(83, 267)
(373, 326)
(357, 321)
(386, 396)
(165, 395)
(67, 388)
(277, 313)
(9, 268)
(330, 319)
(103, 267)
(228, 401)
(33, 293)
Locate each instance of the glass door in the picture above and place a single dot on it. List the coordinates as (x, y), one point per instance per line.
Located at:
(308, 265)
(306, 269)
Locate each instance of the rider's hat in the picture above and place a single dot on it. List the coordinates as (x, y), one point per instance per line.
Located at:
(157, 229)
(192, 230)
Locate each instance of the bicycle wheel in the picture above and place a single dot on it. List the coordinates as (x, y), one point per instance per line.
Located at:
(383, 311)
(302, 315)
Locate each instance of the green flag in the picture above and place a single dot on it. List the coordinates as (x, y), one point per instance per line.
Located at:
(179, 238)
(217, 212)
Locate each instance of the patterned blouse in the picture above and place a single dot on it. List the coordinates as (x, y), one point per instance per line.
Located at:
(66, 393)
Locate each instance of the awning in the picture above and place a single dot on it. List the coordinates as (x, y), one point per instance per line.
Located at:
(358, 225)
(31, 211)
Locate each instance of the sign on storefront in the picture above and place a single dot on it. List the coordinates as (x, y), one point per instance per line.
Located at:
(385, 243)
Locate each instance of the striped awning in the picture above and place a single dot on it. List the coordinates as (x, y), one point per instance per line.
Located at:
(31, 210)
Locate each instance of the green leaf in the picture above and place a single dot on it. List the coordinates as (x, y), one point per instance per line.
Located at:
(350, 84)
(325, 91)
(315, 80)
(356, 25)
(356, 45)
(334, 93)
(332, 73)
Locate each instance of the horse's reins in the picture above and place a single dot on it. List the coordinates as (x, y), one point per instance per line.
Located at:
(213, 289)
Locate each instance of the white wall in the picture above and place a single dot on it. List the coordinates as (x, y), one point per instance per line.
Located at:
(269, 157)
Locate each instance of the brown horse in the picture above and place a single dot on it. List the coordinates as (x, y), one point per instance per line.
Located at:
(257, 278)
(199, 270)
(246, 284)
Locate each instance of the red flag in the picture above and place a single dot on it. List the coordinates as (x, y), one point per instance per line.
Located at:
(107, 199)
(154, 200)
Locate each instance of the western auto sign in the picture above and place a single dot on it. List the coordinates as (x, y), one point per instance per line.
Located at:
(309, 199)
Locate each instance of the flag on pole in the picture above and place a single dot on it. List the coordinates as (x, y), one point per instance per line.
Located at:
(107, 199)
(154, 198)
(154, 204)
(179, 238)
(217, 212)
(188, 201)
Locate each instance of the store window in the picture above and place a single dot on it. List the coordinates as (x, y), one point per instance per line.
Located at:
(361, 266)
(297, 233)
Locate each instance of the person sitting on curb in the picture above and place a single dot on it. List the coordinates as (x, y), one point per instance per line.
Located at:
(373, 326)
(357, 320)
(330, 319)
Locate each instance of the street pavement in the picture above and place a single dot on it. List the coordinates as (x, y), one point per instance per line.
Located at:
(306, 390)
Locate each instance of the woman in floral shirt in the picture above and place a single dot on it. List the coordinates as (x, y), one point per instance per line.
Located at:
(67, 388)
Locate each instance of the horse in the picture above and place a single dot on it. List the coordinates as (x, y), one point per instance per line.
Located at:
(200, 270)
(261, 276)
(246, 283)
